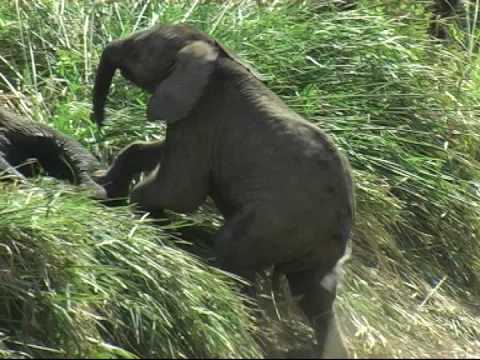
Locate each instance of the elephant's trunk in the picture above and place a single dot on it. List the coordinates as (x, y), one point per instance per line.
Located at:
(105, 71)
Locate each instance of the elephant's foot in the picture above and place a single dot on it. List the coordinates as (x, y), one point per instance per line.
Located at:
(315, 291)
(116, 192)
(95, 191)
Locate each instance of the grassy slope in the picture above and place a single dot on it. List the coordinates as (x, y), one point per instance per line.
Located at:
(403, 109)
(77, 278)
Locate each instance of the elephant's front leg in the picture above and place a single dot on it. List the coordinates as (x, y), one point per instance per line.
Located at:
(236, 247)
(134, 159)
(178, 188)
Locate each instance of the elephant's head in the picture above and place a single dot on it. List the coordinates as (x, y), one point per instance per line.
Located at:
(173, 62)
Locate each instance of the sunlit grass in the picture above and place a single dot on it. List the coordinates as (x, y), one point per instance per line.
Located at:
(403, 108)
(81, 280)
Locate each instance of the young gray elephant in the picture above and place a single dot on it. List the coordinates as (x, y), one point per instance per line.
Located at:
(284, 189)
(22, 140)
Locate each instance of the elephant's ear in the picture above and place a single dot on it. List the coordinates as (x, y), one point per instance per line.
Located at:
(175, 96)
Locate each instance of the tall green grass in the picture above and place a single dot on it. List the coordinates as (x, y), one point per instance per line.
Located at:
(79, 280)
(404, 109)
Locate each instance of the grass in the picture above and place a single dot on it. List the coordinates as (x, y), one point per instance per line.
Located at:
(404, 108)
(78, 280)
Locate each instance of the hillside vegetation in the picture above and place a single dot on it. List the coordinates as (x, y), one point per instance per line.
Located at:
(79, 279)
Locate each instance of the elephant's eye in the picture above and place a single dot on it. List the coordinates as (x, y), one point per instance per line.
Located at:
(170, 67)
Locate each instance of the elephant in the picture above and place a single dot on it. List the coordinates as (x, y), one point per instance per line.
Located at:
(23, 140)
(442, 10)
(284, 189)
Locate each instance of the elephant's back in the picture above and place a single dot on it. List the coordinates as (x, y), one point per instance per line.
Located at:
(311, 168)
(311, 200)
(19, 127)
(24, 137)
(268, 158)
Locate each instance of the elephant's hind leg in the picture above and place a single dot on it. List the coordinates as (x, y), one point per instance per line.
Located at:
(235, 248)
(315, 292)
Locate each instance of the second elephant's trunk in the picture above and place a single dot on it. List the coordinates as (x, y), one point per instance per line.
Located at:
(105, 71)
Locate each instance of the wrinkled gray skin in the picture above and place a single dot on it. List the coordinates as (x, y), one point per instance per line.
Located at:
(23, 140)
(284, 189)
